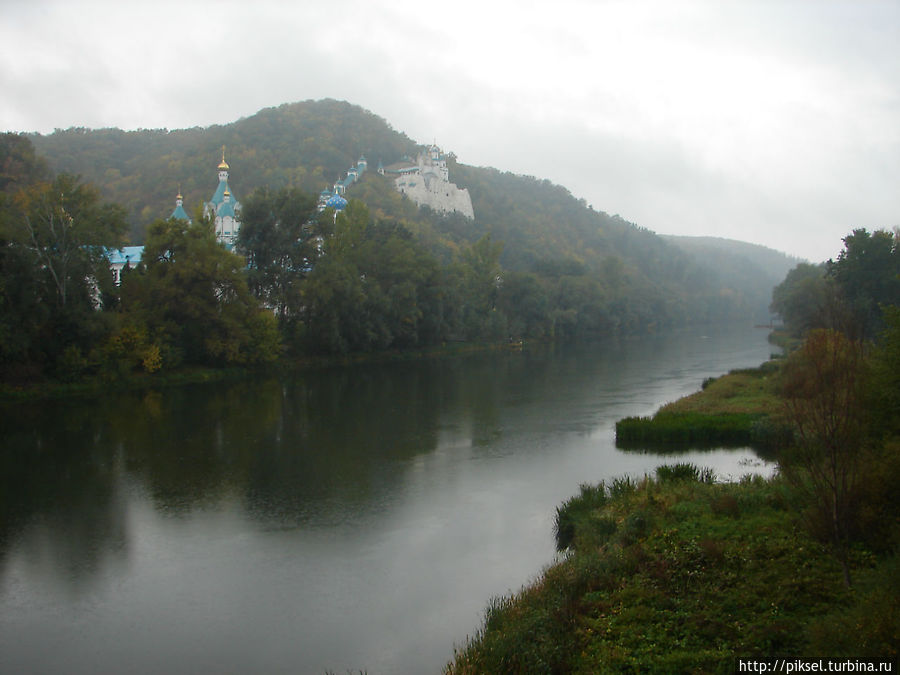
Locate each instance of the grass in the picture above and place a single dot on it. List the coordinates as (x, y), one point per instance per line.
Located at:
(680, 574)
(737, 409)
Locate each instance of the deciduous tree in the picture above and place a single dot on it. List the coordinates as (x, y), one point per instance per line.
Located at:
(192, 294)
(824, 395)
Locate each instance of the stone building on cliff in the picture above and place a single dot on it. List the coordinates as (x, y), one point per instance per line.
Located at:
(427, 182)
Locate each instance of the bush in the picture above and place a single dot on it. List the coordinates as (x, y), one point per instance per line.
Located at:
(591, 498)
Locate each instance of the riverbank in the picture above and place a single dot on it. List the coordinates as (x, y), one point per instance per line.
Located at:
(677, 573)
(48, 388)
(738, 409)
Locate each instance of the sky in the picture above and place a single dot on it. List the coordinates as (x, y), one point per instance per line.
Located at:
(776, 123)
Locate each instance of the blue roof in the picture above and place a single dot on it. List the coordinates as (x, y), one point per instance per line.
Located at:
(180, 213)
(225, 209)
(219, 195)
(126, 254)
(336, 202)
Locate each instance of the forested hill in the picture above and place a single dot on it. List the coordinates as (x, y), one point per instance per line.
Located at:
(583, 271)
(739, 264)
(307, 145)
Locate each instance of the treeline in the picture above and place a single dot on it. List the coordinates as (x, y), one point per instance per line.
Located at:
(535, 264)
(848, 294)
(577, 270)
(304, 283)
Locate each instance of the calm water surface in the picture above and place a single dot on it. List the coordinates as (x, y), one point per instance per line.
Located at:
(354, 518)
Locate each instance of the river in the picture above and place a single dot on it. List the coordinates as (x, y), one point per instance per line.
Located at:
(352, 518)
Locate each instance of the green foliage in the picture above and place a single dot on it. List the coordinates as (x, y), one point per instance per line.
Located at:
(847, 294)
(52, 268)
(127, 350)
(65, 228)
(884, 388)
(304, 145)
(279, 239)
(694, 573)
(668, 473)
(568, 516)
(564, 270)
(868, 273)
(737, 409)
(688, 429)
(373, 288)
(192, 295)
(823, 389)
(803, 299)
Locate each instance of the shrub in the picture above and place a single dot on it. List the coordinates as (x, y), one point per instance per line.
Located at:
(575, 509)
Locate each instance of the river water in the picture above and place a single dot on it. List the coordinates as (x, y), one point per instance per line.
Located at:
(346, 519)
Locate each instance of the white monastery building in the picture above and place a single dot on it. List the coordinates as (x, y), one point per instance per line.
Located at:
(427, 183)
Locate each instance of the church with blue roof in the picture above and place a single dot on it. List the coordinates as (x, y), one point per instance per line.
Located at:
(224, 209)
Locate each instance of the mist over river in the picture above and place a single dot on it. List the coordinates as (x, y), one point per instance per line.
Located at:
(348, 518)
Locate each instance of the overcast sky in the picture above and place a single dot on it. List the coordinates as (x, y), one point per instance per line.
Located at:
(771, 122)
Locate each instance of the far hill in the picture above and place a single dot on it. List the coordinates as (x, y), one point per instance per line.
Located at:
(740, 264)
(580, 270)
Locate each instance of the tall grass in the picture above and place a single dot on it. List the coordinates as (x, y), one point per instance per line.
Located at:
(678, 574)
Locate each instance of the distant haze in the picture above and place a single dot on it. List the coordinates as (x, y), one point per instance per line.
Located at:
(773, 123)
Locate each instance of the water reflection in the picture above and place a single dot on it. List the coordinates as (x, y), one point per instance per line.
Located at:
(288, 509)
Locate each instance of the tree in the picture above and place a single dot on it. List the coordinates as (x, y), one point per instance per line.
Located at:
(824, 404)
(374, 287)
(20, 166)
(22, 309)
(885, 390)
(803, 299)
(868, 273)
(66, 229)
(192, 294)
(479, 277)
(279, 238)
(53, 268)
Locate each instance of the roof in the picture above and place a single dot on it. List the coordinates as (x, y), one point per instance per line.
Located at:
(225, 209)
(127, 254)
(180, 213)
(336, 202)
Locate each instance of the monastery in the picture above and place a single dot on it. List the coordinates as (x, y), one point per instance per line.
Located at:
(427, 182)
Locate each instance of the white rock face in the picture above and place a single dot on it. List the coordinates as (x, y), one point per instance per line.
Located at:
(427, 183)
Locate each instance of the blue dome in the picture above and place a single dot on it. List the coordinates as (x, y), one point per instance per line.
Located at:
(336, 202)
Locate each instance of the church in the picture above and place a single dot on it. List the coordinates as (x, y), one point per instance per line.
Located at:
(224, 209)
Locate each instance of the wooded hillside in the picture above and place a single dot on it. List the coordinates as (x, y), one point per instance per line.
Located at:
(582, 270)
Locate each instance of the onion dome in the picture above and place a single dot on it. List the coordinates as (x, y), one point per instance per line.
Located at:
(336, 202)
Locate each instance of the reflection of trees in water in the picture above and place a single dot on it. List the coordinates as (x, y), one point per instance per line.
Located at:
(310, 447)
(62, 497)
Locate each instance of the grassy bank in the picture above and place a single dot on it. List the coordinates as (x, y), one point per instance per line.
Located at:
(679, 574)
(737, 409)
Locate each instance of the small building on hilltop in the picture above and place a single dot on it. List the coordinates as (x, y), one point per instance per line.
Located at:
(427, 182)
